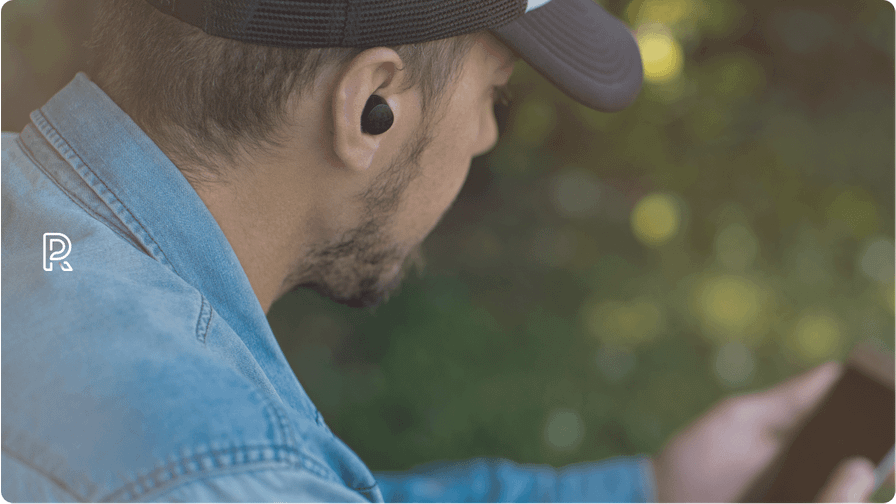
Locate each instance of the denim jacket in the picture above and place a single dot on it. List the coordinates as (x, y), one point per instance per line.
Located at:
(138, 365)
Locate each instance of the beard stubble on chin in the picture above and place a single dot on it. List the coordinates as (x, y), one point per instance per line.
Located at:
(364, 266)
(359, 271)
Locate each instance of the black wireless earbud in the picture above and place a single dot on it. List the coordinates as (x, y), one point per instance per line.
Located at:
(377, 116)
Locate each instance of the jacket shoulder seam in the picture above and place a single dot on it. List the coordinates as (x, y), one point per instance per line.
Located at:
(45, 474)
(283, 451)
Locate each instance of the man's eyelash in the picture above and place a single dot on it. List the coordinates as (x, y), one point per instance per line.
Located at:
(502, 95)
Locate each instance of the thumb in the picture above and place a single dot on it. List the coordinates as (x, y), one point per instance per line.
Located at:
(788, 403)
(851, 481)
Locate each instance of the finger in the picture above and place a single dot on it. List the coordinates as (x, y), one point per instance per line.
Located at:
(788, 403)
(851, 481)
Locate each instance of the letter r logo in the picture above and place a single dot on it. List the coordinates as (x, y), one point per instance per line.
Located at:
(59, 247)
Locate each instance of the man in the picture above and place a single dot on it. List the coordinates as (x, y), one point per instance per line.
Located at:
(228, 152)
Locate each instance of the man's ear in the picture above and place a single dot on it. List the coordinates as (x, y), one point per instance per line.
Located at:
(374, 71)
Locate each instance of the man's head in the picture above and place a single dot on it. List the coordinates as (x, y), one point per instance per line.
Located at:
(412, 181)
(271, 139)
(200, 96)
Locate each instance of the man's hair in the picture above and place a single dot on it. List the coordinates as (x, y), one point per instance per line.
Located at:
(202, 97)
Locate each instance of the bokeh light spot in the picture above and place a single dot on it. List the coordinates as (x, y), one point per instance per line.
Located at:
(564, 430)
(576, 193)
(728, 306)
(735, 75)
(659, 11)
(734, 364)
(655, 219)
(876, 260)
(623, 324)
(661, 55)
(615, 363)
(816, 337)
(856, 208)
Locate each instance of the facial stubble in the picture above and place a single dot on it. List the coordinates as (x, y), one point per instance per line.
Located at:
(363, 266)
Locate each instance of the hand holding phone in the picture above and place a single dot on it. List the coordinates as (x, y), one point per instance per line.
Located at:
(734, 451)
(857, 418)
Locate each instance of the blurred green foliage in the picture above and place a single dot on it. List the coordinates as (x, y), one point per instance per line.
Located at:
(602, 279)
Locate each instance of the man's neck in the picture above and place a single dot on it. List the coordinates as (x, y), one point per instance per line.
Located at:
(260, 214)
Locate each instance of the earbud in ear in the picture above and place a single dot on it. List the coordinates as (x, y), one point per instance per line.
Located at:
(377, 116)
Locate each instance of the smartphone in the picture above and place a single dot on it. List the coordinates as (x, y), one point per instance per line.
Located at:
(856, 418)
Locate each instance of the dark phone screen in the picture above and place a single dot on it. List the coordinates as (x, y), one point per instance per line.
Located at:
(856, 419)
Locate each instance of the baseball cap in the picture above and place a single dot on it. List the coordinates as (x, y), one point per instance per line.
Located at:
(576, 44)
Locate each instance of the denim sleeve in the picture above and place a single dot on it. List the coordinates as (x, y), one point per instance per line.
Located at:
(264, 485)
(622, 479)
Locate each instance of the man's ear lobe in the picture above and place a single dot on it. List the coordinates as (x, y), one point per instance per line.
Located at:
(372, 72)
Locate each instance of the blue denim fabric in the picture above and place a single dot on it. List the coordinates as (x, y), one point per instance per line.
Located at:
(149, 371)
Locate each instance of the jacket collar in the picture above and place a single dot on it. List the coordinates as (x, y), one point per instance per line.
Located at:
(164, 213)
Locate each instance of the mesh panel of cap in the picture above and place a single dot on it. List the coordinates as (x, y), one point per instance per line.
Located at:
(346, 23)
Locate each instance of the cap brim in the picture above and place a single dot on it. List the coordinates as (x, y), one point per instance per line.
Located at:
(582, 49)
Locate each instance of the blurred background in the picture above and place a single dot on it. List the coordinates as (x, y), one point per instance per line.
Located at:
(603, 279)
